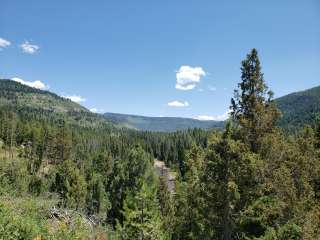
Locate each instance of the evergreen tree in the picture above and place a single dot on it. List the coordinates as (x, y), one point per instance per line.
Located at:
(62, 144)
(71, 185)
(252, 107)
(191, 219)
(97, 200)
(317, 129)
(230, 183)
(141, 216)
(166, 206)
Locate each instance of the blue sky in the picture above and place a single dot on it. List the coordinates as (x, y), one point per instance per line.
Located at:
(127, 56)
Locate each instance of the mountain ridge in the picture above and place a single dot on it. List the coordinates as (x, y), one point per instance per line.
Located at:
(298, 108)
(28, 100)
(166, 124)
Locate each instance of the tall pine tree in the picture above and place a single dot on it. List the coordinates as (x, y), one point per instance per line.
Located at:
(252, 107)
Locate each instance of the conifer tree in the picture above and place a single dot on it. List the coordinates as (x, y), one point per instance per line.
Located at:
(221, 189)
(252, 107)
(166, 206)
(191, 218)
(317, 131)
(141, 216)
(62, 143)
(71, 185)
(97, 199)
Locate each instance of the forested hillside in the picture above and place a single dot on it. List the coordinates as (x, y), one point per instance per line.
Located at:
(32, 101)
(299, 108)
(17, 94)
(161, 124)
(74, 176)
(66, 173)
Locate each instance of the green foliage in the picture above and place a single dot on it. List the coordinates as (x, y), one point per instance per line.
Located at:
(298, 109)
(160, 124)
(252, 182)
(141, 216)
(190, 208)
(28, 218)
(258, 218)
(71, 185)
(97, 199)
(252, 107)
(290, 231)
(35, 185)
(166, 206)
(317, 131)
(249, 182)
(30, 101)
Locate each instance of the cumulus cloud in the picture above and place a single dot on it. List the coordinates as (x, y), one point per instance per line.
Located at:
(29, 48)
(187, 77)
(36, 84)
(222, 117)
(4, 43)
(75, 98)
(178, 104)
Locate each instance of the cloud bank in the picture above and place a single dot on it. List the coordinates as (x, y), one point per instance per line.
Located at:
(187, 77)
(222, 117)
(36, 84)
(178, 104)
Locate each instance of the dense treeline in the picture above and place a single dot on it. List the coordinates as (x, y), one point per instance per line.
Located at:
(250, 181)
(94, 170)
(298, 109)
(89, 170)
(161, 124)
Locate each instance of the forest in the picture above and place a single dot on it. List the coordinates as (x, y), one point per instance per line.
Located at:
(73, 175)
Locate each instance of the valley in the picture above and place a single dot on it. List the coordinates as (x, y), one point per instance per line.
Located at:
(69, 173)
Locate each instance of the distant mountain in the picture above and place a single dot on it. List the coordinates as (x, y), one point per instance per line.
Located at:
(163, 124)
(28, 100)
(299, 108)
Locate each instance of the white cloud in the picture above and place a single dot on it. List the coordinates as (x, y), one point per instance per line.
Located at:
(36, 84)
(4, 43)
(222, 117)
(27, 47)
(187, 77)
(75, 98)
(178, 104)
